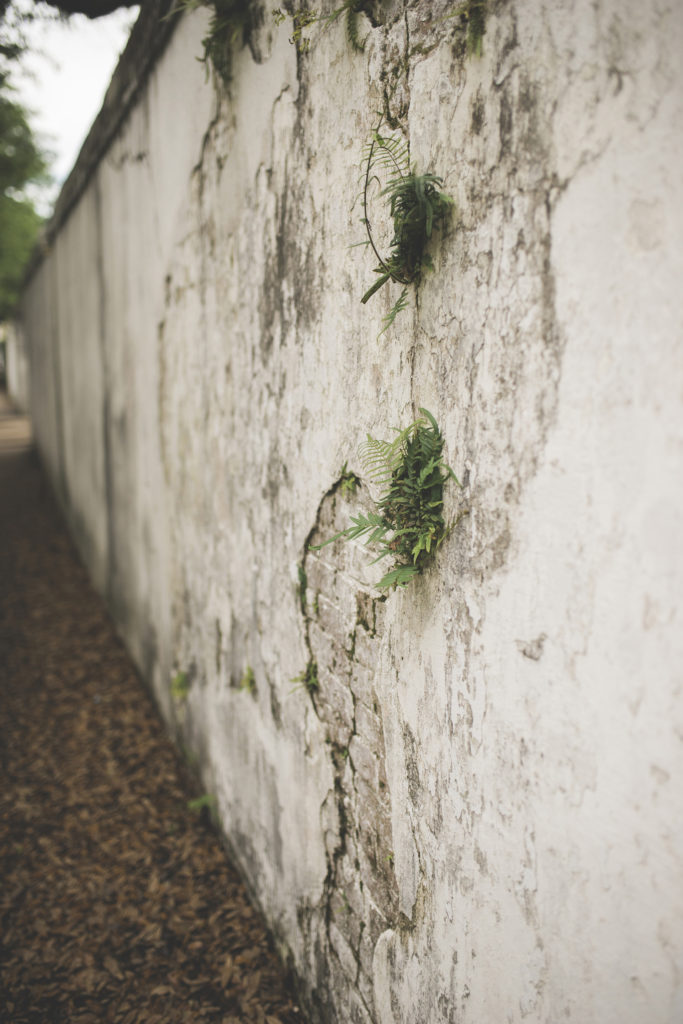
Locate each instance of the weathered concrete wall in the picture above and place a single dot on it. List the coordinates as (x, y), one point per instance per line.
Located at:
(17, 368)
(477, 818)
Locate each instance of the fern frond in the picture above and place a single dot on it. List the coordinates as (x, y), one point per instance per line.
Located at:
(416, 206)
(391, 154)
(350, 9)
(377, 459)
(398, 577)
(426, 471)
(352, 35)
(452, 475)
(398, 307)
(428, 416)
(361, 525)
(382, 280)
(371, 523)
(385, 456)
(408, 524)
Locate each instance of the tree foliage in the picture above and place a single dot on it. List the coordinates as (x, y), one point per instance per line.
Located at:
(21, 163)
(20, 158)
(19, 227)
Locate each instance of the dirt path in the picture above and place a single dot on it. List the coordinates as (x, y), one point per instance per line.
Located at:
(117, 902)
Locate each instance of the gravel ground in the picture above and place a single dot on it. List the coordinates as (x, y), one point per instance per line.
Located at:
(117, 901)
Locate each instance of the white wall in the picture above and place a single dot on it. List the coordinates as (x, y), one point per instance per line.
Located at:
(16, 366)
(477, 818)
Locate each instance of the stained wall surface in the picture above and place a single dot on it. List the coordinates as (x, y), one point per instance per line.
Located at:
(476, 818)
(16, 367)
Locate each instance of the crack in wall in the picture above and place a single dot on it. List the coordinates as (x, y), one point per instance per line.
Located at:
(342, 630)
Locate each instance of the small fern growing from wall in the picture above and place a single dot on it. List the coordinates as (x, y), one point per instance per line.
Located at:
(180, 686)
(350, 10)
(416, 206)
(408, 524)
(308, 679)
(248, 681)
(303, 19)
(230, 22)
(348, 481)
(473, 13)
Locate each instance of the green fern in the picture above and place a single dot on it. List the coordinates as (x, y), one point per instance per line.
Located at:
(473, 14)
(416, 206)
(303, 19)
(350, 9)
(200, 802)
(308, 679)
(398, 307)
(348, 481)
(229, 24)
(399, 577)
(248, 681)
(476, 26)
(180, 686)
(408, 523)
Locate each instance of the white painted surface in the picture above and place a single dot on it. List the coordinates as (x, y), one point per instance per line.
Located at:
(499, 805)
(16, 366)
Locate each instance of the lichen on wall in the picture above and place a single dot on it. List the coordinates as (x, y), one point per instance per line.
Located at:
(472, 815)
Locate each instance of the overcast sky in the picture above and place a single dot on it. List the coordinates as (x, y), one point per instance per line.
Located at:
(66, 76)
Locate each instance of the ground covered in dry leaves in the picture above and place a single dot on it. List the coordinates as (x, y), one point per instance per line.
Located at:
(117, 902)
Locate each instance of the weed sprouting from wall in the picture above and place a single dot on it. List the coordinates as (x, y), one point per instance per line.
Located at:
(473, 14)
(303, 19)
(229, 25)
(248, 681)
(408, 524)
(308, 679)
(231, 21)
(350, 10)
(180, 686)
(206, 808)
(416, 206)
(348, 481)
(476, 25)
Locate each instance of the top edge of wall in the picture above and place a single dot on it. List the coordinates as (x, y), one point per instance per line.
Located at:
(148, 39)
